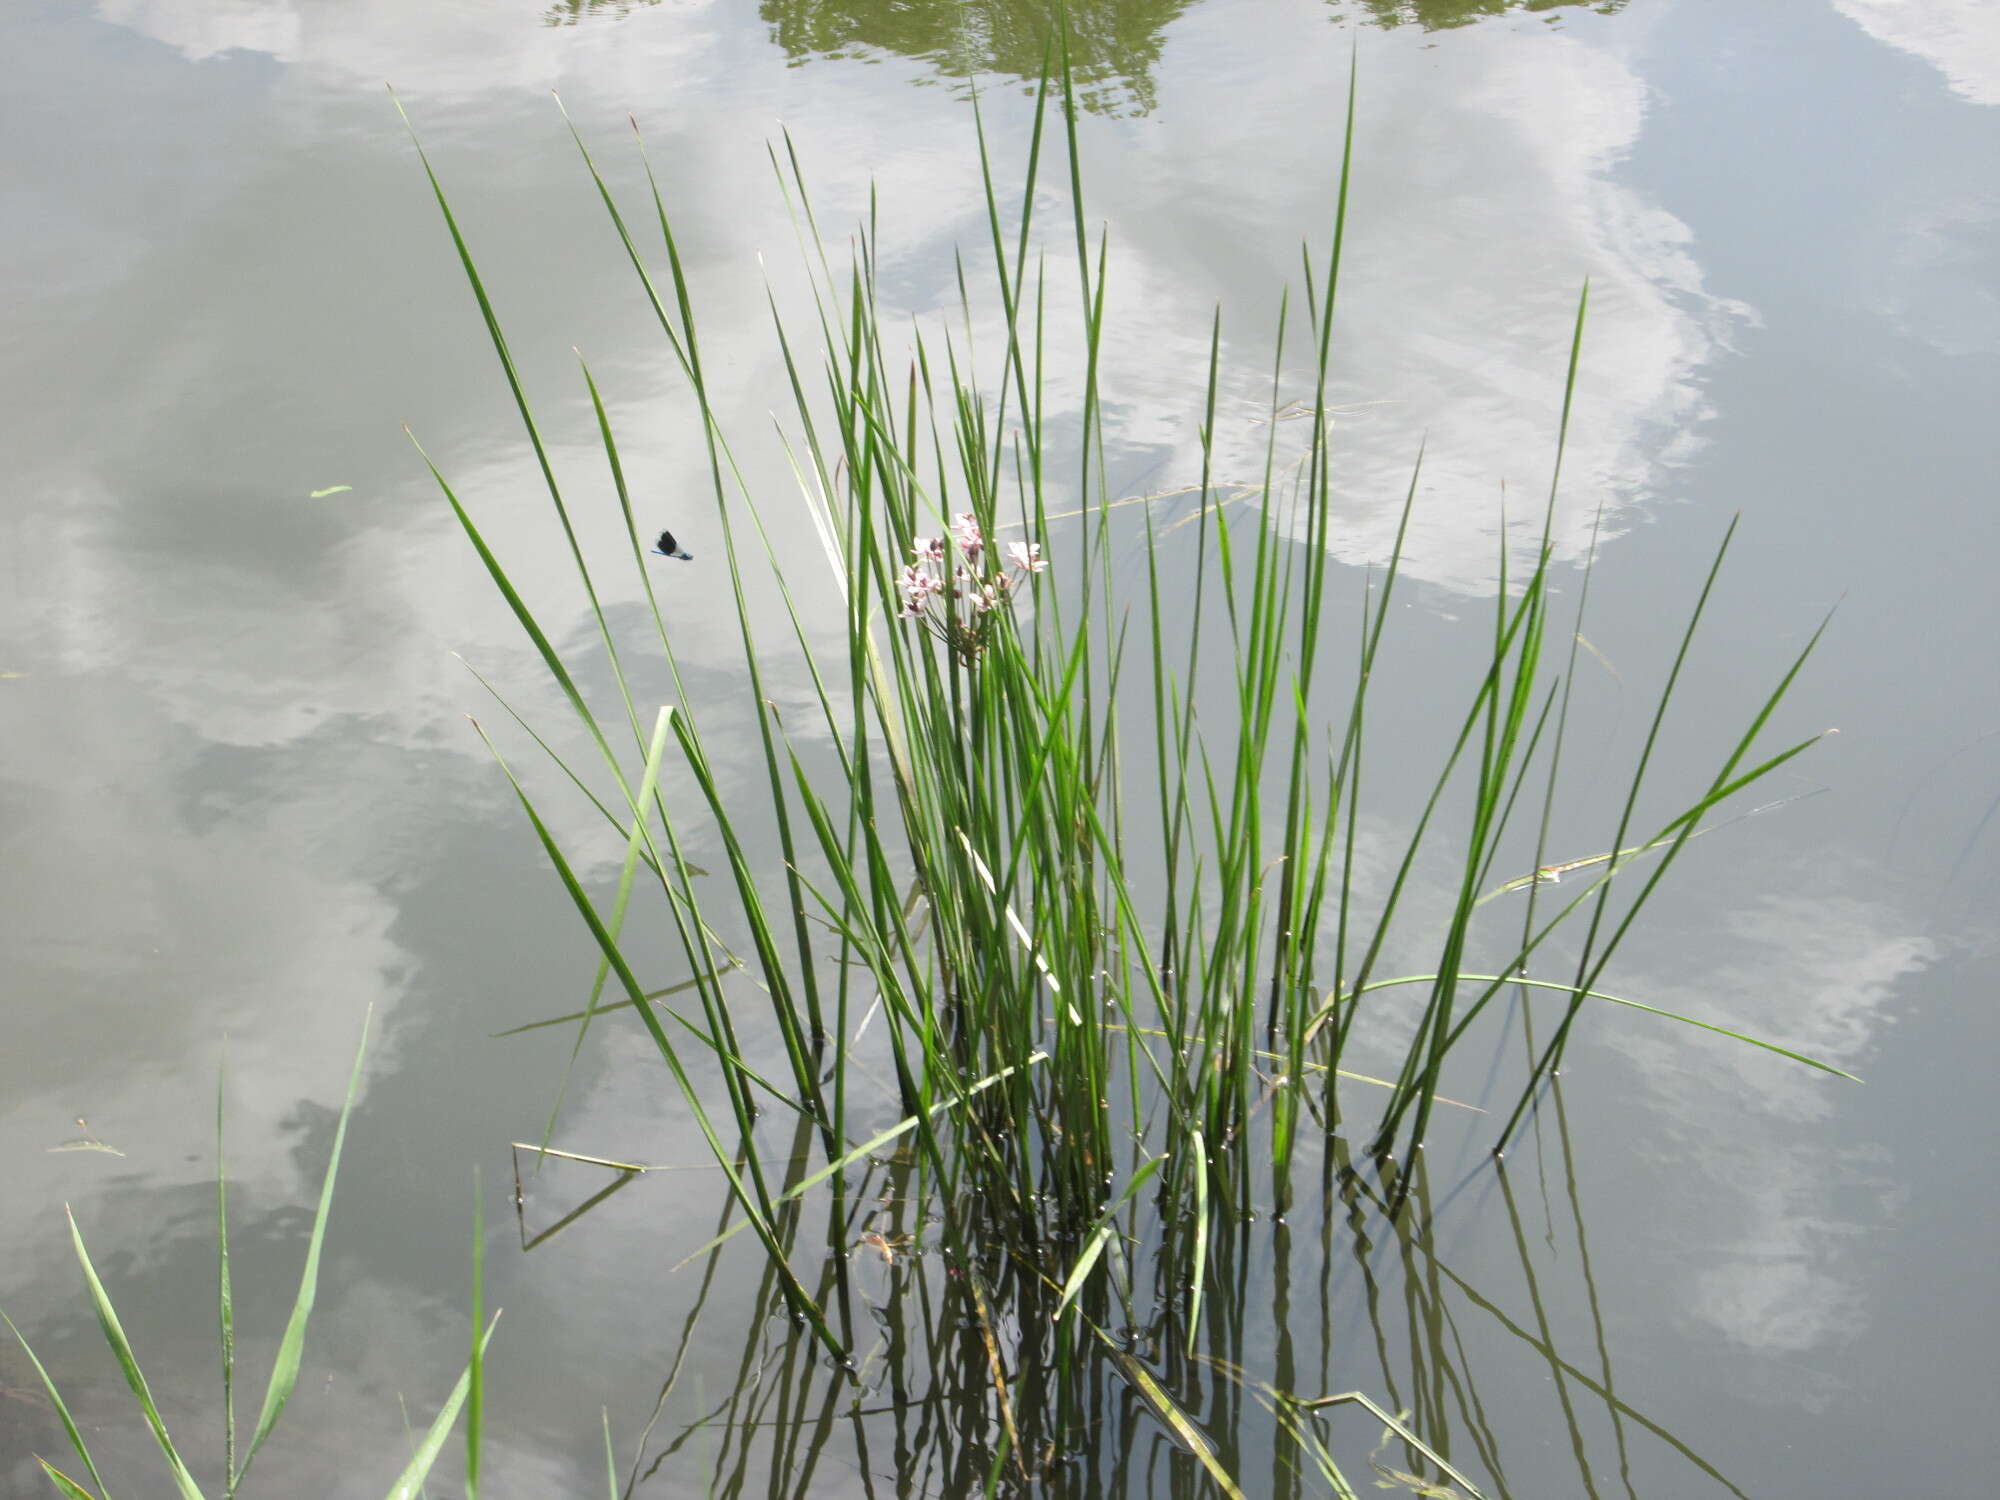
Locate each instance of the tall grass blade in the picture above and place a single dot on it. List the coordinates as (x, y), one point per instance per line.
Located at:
(411, 1481)
(649, 785)
(225, 1301)
(62, 1408)
(291, 1348)
(475, 1367)
(114, 1335)
(1198, 1263)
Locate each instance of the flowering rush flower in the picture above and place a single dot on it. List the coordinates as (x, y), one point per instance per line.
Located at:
(917, 586)
(954, 583)
(965, 526)
(1027, 556)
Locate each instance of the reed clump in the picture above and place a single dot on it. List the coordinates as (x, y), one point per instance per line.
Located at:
(1068, 853)
(1067, 862)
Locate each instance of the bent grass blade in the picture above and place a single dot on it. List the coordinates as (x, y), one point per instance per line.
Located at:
(1099, 1236)
(1570, 989)
(62, 1411)
(114, 1335)
(68, 1486)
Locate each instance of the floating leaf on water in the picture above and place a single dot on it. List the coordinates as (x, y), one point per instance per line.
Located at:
(86, 1141)
(332, 489)
(1398, 1479)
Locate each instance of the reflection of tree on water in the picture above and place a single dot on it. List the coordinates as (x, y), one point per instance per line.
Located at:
(1114, 44)
(1436, 15)
(569, 12)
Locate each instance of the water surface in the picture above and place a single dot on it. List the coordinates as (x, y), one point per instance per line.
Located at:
(243, 804)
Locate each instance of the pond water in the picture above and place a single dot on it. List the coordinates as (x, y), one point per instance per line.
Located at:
(243, 804)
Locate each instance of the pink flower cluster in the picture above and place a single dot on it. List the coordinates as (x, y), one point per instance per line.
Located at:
(953, 599)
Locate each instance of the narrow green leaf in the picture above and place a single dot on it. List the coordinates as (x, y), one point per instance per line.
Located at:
(634, 845)
(1100, 1235)
(1570, 989)
(418, 1469)
(476, 1364)
(63, 1482)
(225, 1304)
(291, 1348)
(62, 1409)
(114, 1335)
(1198, 1270)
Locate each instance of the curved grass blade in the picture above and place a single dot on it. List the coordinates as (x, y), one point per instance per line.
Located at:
(1570, 989)
(649, 784)
(62, 1408)
(69, 1487)
(1552, 874)
(1100, 1235)
(114, 1335)
(577, 1015)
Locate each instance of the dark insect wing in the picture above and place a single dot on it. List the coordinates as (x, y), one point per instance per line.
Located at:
(666, 544)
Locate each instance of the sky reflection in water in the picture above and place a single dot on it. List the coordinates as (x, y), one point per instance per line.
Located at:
(251, 805)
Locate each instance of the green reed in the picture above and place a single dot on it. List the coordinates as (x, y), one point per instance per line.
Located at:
(1091, 932)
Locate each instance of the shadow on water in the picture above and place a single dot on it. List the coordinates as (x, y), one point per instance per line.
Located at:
(1315, 1357)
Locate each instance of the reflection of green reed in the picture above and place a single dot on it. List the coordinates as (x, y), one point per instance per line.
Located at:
(1114, 44)
(965, 1384)
(1093, 943)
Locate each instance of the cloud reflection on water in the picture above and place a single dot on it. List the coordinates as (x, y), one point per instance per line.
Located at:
(1821, 959)
(1960, 38)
